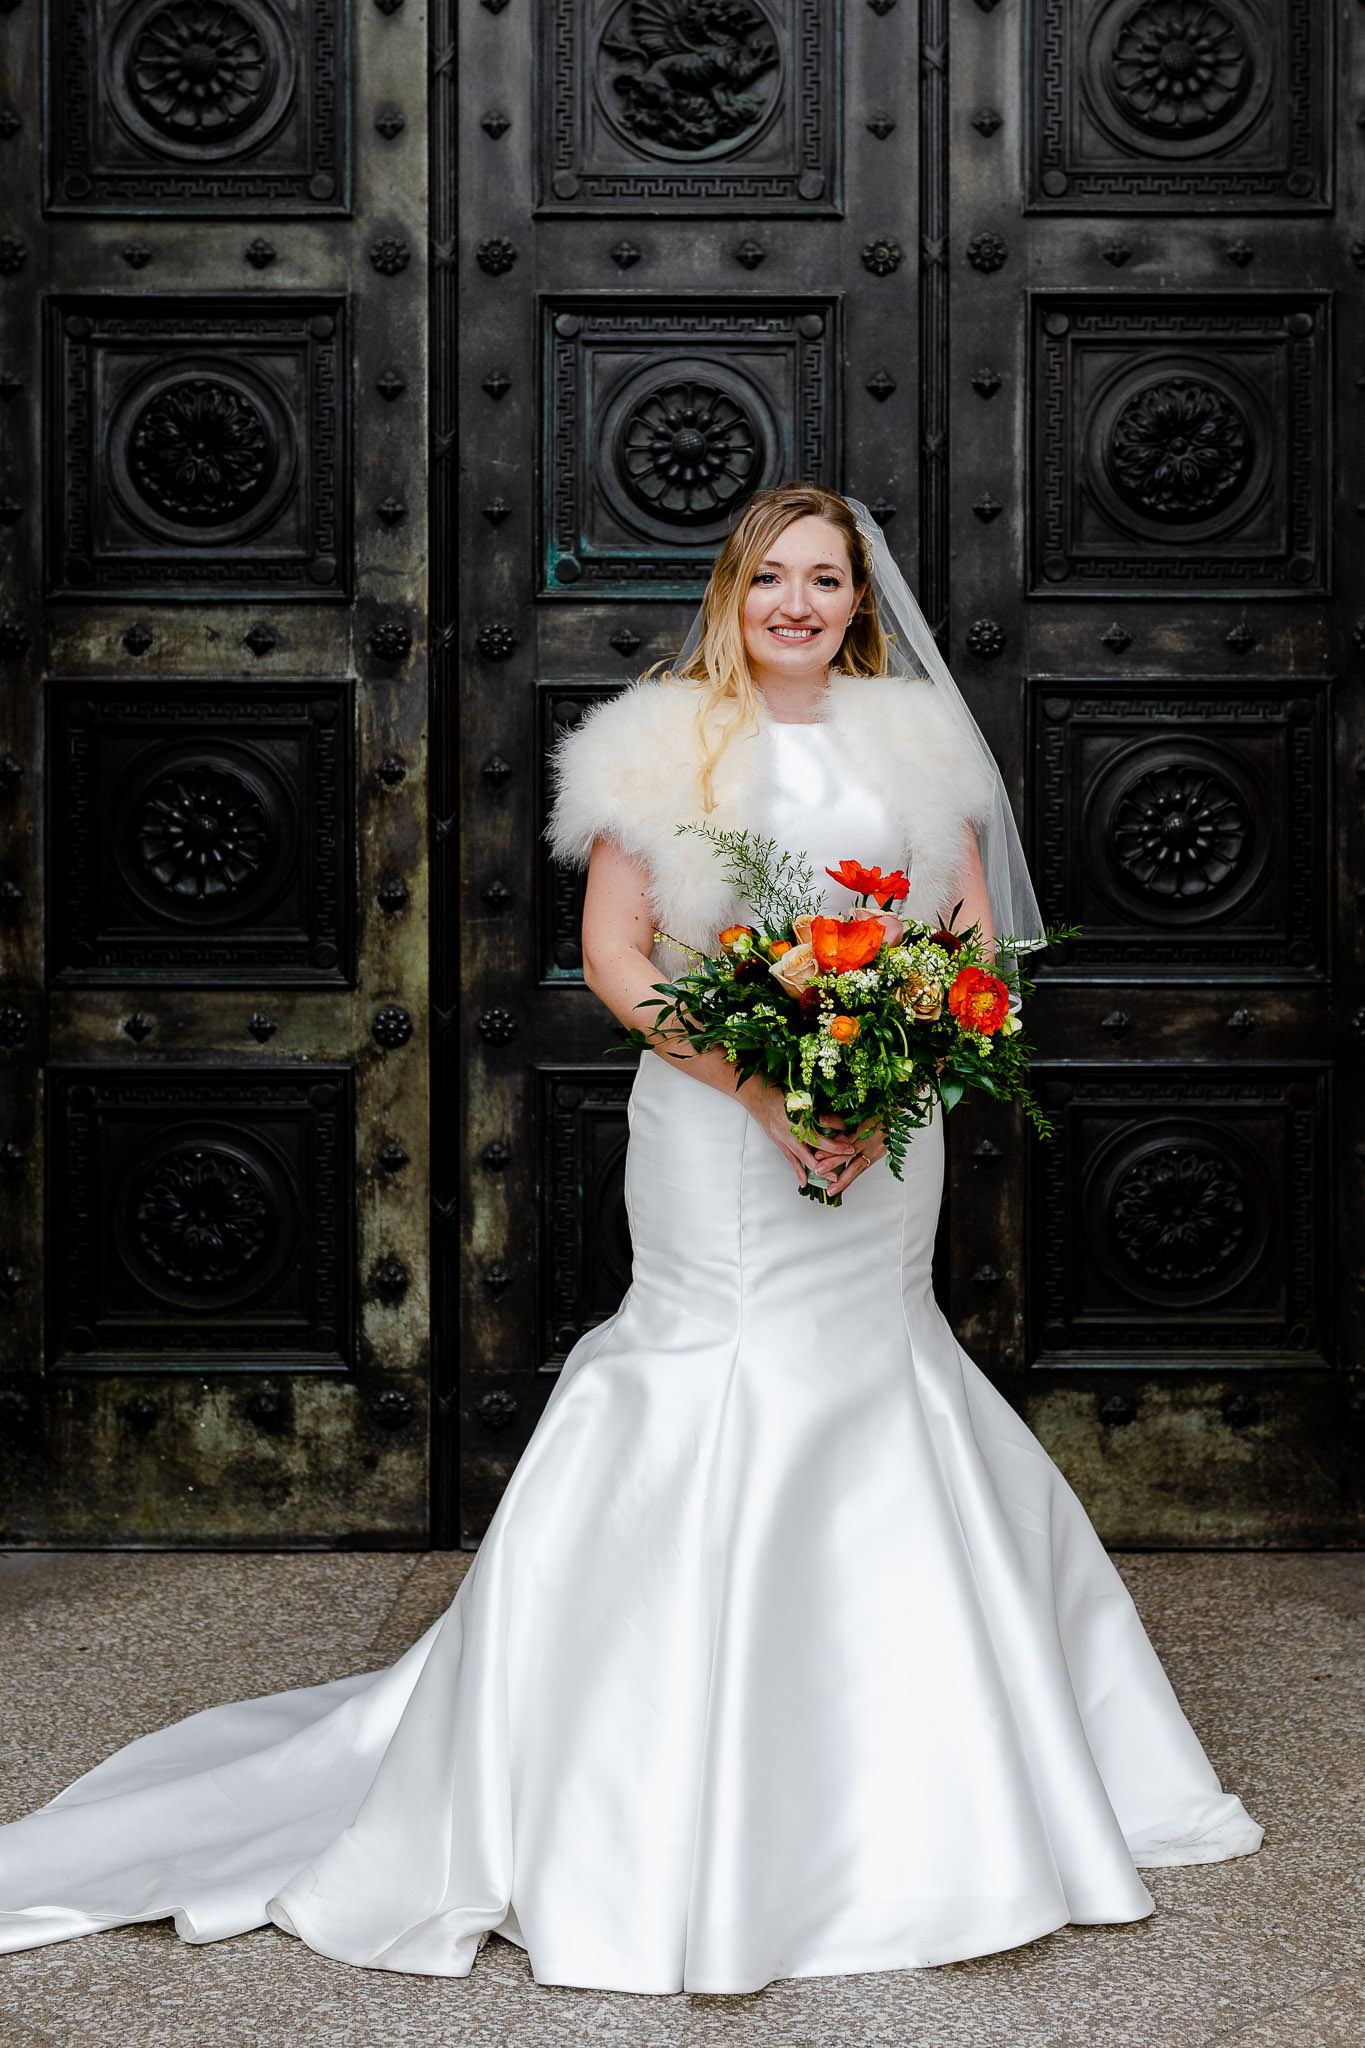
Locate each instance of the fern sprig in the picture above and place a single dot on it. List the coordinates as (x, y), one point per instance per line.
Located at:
(780, 886)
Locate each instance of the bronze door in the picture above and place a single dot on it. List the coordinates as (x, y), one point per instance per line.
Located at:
(1155, 478)
(1062, 289)
(213, 1015)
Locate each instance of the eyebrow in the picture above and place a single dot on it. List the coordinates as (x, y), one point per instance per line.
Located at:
(837, 567)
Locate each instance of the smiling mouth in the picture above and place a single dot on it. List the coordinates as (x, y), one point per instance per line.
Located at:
(796, 632)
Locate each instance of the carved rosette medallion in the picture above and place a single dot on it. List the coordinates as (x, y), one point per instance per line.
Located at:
(1179, 81)
(200, 452)
(686, 451)
(689, 82)
(203, 1218)
(206, 839)
(202, 79)
(1180, 449)
(202, 834)
(1180, 1215)
(1179, 67)
(203, 453)
(1179, 833)
(199, 70)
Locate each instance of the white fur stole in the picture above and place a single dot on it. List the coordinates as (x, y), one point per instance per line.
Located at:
(627, 772)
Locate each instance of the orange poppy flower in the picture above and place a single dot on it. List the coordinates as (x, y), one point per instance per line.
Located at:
(872, 882)
(979, 1000)
(844, 943)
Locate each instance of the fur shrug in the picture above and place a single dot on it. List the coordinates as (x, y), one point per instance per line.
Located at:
(627, 772)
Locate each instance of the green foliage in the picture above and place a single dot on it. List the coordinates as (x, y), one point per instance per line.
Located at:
(780, 886)
(897, 1068)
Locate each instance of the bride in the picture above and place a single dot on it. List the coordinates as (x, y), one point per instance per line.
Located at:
(789, 1651)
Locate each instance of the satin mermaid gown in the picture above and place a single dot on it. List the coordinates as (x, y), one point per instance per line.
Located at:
(789, 1651)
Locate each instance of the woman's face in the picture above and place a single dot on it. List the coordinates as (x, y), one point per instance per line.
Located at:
(799, 603)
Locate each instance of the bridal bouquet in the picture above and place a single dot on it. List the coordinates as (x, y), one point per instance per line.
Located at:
(860, 1015)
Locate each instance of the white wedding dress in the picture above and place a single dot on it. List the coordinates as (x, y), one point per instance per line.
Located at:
(788, 1652)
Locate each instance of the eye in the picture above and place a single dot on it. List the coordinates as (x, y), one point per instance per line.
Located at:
(829, 582)
(765, 576)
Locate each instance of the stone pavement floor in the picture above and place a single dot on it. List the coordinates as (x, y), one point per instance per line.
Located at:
(1267, 1653)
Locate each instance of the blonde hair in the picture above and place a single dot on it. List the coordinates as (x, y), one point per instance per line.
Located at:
(721, 660)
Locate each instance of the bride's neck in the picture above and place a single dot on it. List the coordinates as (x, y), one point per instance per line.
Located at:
(793, 700)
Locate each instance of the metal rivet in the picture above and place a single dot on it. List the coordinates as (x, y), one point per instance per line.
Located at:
(497, 1409)
(390, 1280)
(391, 1027)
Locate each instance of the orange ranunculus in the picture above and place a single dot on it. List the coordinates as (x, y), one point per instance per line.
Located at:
(844, 1029)
(796, 967)
(779, 947)
(870, 881)
(732, 939)
(844, 943)
(979, 1000)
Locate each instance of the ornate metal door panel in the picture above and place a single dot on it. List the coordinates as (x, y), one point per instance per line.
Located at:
(212, 1097)
(683, 273)
(1152, 590)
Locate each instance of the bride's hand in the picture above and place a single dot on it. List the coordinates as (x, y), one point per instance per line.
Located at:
(840, 1166)
(767, 1106)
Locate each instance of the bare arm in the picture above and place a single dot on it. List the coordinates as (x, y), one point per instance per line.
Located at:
(976, 904)
(618, 938)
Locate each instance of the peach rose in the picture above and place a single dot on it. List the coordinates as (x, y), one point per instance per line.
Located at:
(795, 969)
(801, 926)
(923, 999)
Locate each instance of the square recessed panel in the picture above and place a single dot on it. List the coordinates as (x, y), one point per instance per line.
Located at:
(1178, 1217)
(1179, 444)
(1183, 827)
(200, 1218)
(1150, 106)
(198, 107)
(198, 446)
(584, 1230)
(714, 109)
(200, 833)
(662, 417)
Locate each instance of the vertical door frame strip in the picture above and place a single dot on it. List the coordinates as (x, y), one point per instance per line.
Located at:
(933, 314)
(443, 766)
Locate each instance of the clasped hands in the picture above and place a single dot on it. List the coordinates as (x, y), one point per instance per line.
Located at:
(838, 1156)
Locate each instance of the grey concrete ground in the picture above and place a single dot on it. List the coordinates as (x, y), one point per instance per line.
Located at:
(1266, 1652)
